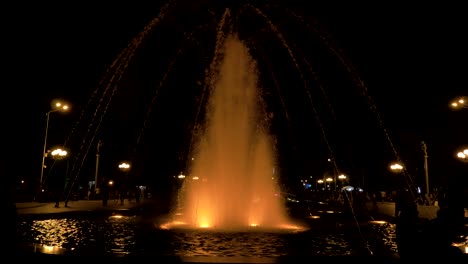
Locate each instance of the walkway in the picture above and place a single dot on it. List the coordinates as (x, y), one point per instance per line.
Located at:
(73, 206)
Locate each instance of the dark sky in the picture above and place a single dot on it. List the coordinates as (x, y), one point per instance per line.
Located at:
(412, 60)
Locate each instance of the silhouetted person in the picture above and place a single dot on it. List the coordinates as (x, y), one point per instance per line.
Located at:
(440, 233)
(104, 191)
(137, 194)
(438, 236)
(407, 228)
(56, 182)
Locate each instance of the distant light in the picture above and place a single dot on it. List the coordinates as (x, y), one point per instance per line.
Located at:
(59, 152)
(463, 155)
(124, 165)
(59, 106)
(377, 222)
(117, 216)
(397, 167)
(459, 103)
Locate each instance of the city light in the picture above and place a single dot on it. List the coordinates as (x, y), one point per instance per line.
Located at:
(463, 155)
(459, 103)
(56, 106)
(58, 153)
(124, 166)
(396, 167)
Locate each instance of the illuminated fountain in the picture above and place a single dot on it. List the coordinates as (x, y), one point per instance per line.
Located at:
(232, 182)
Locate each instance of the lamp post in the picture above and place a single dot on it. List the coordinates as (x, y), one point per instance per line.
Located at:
(342, 178)
(124, 167)
(96, 173)
(319, 181)
(329, 180)
(58, 154)
(58, 106)
(426, 173)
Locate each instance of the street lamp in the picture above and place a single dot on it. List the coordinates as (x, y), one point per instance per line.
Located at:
(57, 106)
(459, 103)
(181, 176)
(396, 167)
(328, 180)
(342, 177)
(463, 155)
(124, 166)
(58, 153)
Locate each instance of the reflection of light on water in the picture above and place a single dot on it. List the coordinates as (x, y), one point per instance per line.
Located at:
(51, 250)
(378, 222)
(116, 216)
(292, 227)
(117, 237)
(180, 223)
(462, 243)
(171, 224)
(462, 246)
(57, 236)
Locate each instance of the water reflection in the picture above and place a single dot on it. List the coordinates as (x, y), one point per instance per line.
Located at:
(113, 234)
(132, 235)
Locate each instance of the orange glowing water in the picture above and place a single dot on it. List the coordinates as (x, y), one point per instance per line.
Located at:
(234, 160)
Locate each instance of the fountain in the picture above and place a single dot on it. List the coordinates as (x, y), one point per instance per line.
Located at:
(232, 181)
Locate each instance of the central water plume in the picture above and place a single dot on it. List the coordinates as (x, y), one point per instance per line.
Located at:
(232, 181)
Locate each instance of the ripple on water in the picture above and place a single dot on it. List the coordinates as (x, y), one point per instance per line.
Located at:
(127, 235)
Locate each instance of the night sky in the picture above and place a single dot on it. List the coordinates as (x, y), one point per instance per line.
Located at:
(412, 61)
